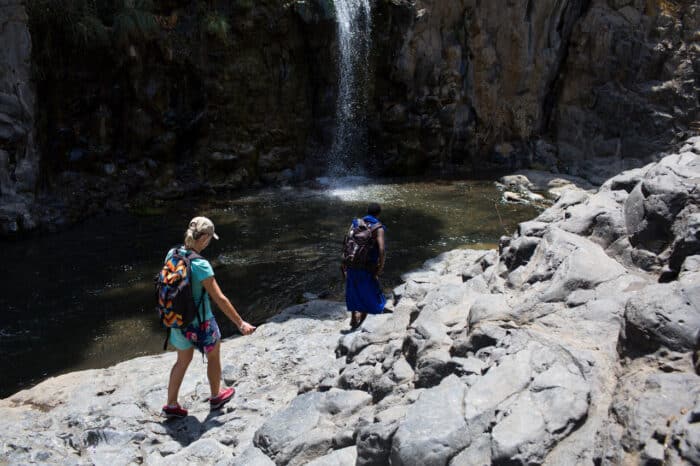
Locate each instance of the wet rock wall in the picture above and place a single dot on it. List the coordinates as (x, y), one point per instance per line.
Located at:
(582, 87)
(19, 158)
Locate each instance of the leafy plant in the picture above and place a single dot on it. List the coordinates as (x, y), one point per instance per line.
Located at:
(91, 24)
(217, 25)
(90, 32)
(134, 25)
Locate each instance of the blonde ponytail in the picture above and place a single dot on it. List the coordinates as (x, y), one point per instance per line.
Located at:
(199, 226)
(189, 238)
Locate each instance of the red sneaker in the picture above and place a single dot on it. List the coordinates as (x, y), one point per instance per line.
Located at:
(224, 397)
(174, 411)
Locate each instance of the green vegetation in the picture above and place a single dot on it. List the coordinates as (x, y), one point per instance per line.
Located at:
(134, 25)
(217, 25)
(65, 29)
(91, 24)
(243, 5)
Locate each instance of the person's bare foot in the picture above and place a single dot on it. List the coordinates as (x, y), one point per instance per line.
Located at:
(363, 316)
(355, 320)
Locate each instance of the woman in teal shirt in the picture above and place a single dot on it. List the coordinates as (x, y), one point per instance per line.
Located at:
(205, 336)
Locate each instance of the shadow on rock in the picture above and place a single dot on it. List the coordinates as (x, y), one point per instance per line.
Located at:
(189, 429)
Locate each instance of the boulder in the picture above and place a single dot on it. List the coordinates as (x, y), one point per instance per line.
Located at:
(434, 429)
(664, 314)
(647, 403)
(303, 431)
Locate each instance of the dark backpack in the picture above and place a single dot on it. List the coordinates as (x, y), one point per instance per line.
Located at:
(174, 300)
(358, 243)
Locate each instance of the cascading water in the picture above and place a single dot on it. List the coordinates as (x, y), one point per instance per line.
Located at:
(354, 39)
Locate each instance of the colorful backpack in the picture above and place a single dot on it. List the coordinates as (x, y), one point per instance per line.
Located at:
(358, 242)
(174, 300)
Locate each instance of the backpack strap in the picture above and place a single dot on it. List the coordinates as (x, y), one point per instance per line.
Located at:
(200, 305)
(374, 228)
(188, 258)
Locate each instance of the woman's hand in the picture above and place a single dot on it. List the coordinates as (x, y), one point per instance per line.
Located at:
(225, 305)
(246, 328)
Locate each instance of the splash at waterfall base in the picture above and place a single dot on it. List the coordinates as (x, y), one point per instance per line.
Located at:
(561, 347)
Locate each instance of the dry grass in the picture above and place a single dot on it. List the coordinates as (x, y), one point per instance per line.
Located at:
(665, 7)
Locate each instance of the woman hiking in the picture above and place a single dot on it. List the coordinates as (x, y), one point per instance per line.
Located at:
(363, 294)
(205, 335)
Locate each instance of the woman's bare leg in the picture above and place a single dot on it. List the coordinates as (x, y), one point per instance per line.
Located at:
(214, 369)
(177, 374)
(363, 316)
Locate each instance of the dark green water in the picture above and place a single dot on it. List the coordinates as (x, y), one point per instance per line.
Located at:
(83, 298)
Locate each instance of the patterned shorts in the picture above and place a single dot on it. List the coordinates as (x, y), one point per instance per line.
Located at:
(203, 336)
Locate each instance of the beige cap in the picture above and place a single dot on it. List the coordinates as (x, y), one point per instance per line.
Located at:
(203, 225)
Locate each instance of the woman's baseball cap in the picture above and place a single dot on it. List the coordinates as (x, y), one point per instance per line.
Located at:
(203, 225)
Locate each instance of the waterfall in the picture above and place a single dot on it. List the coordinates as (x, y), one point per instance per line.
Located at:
(354, 38)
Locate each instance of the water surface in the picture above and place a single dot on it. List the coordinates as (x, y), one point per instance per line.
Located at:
(84, 298)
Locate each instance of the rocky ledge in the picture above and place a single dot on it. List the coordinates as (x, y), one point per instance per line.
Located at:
(575, 343)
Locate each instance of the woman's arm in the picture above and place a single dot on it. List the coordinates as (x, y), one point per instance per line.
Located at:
(382, 254)
(225, 305)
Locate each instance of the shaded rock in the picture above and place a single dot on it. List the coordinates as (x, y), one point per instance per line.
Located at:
(374, 443)
(300, 432)
(432, 366)
(653, 453)
(532, 228)
(654, 203)
(686, 229)
(646, 403)
(467, 366)
(686, 435)
(396, 372)
(625, 181)
(665, 314)
(480, 337)
(357, 377)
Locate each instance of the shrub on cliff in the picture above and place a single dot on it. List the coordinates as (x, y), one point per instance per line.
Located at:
(217, 25)
(89, 24)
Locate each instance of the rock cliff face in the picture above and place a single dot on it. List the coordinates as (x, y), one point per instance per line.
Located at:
(173, 97)
(575, 343)
(19, 156)
(587, 87)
